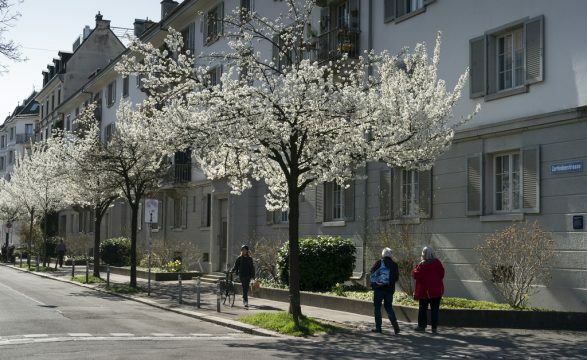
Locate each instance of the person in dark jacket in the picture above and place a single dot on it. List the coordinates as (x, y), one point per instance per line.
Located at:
(383, 292)
(60, 250)
(245, 270)
(429, 275)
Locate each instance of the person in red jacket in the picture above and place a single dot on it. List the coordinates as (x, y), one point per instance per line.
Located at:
(429, 288)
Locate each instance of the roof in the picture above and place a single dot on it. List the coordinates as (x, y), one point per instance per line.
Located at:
(28, 107)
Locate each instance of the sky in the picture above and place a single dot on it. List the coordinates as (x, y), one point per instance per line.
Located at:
(47, 27)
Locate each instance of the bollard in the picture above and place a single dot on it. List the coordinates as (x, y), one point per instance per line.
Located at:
(20, 259)
(38, 262)
(87, 270)
(108, 276)
(218, 301)
(72, 268)
(180, 289)
(198, 283)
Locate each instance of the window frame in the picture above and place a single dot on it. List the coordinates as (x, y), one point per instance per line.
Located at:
(411, 209)
(511, 188)
(111, 94)
(125, 86)
(213, 20)
(512, 33)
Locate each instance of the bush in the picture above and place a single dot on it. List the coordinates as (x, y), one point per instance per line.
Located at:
(115, 251)
(173, 266)
(515, 260)
(324, 262)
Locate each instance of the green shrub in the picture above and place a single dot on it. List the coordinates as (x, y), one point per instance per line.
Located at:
(324, 262)
(115, 251)
(173, 266)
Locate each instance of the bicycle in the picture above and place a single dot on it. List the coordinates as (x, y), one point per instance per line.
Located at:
(227, 289)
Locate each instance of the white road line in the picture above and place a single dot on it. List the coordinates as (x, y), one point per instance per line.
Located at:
(80, 334)
(122, 334)
(34, 336)
(202, 335)
(162, 334)
(24, 295)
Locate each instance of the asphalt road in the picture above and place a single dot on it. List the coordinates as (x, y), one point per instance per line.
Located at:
(46, 319)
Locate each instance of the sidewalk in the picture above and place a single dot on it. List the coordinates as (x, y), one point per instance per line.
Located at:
(165, 295)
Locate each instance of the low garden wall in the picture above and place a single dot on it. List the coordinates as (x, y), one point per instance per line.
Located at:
(155, 276)
(515, 319)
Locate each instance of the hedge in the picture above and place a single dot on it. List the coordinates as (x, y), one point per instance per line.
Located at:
(115, 251)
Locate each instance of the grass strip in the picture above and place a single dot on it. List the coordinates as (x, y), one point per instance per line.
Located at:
(282, 322)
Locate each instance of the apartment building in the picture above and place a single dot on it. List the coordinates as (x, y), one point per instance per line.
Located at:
(521, 158)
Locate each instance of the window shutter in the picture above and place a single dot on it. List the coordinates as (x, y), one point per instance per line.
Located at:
(388, 10)
(401, 8)
(425, 193)
(385, 191)
(269, 217)
(349, 202)
(319, 203)
(204, 219)
(354, 14)
(531, 179)
(477, 66)
(324, 19)
(220, 19)
(275, 55)
(474, 184)
(328, 201)
(205, 28)
(396, 193)
(184, 212)
(191, 38)
(534, 30)
(491, 65)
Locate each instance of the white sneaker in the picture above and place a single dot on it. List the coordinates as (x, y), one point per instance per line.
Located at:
(246, 303)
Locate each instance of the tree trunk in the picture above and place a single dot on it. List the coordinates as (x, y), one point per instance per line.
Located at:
(294, 253)
(28, 258)
(133, 243)
(97, 234)
(44, 239)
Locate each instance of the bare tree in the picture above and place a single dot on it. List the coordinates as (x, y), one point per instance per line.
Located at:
(265, 253)
(516, 259)
(8, 48)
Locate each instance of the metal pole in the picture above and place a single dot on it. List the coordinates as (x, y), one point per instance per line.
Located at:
(87, 269)
(72, 267)
(218, 298)
(38, 262)
(180, 288)
(108, 276)
(149, 258)
(198, 283)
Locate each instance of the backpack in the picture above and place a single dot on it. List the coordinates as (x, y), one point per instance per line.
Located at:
(381, 276)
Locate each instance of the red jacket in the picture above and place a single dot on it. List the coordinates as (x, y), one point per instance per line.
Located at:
(428, 276)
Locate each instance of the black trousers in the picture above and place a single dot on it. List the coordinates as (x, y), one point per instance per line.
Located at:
(422, 312)
(245, 282)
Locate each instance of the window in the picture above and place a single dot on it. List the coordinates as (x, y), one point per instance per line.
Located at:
(108, 132)
(506, 60)
(334, 202)
(405, 193)
(180, 213)
(125, 87)
(2, 165)
(188, 35)
(507, 182)
(399, 10)
(409, 194)
(246, 8)
(194, 204)
(59, 97)
(77, 111)
(277, 217)
(2, 141)
(503, 182)
(214, 76)
(52, 102)
(11, 133)
(213, 24)
(111, 94)
(11, 157)
(206, 210)
(68, 123)
(46, 133)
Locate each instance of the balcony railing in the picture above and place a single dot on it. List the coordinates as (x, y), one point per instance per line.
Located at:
(25, 138)
(180, 173)
(336, 42)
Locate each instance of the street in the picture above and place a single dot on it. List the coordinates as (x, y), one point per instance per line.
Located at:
(45, 319)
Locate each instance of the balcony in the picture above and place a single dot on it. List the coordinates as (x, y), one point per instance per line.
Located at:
(25, 138)
(337, 42)
(180, 173)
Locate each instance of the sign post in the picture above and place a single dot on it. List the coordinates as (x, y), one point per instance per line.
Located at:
(151, 216)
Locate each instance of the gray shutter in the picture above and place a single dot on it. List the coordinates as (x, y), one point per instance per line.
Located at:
(184, 212)
(531, 179)
(328, 201)
(354, 14)
(401, 8)
(425, 193)
(220, 19)
(349, 202)
(477, 66)
(205, 28)
(191, 38)
(388, 10)
(385, 191)
(275, 46)
(491, 65)
(396, 175)
(319, 203)
(534, 30)
(324, 19)
(204, 218)
(474, 184)
(269, 217)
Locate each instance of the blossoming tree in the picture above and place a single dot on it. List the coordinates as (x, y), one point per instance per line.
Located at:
(290, 121)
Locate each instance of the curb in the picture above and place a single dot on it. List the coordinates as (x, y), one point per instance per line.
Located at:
(248, 329)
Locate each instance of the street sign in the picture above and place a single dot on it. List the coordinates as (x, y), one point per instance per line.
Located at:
(151, 211)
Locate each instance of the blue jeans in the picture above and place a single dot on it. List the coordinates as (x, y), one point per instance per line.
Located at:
(379, 296)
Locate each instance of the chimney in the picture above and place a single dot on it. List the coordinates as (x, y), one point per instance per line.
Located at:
(141, 25)
(45, 77)
(167, 6)
(86, 32)
(51, 69)
(101, 23)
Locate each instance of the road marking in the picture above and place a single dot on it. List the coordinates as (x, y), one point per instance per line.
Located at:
(162, 334)
(80, 334)
(24, 295)
(122, 334)
(35, 336)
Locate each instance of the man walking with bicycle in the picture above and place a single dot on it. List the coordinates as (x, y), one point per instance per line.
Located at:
(245, 270)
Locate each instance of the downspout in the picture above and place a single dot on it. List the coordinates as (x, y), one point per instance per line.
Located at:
(365, 208)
